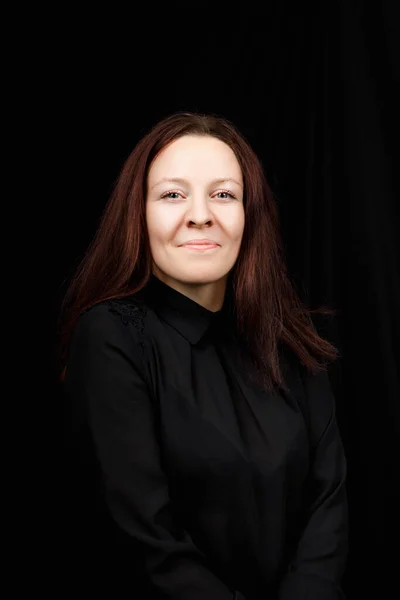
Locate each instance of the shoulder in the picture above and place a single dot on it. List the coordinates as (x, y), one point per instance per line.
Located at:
(129, 310)
(105, 354)
(118, 310)
(320, 400)
(118, 321)
(312, 391)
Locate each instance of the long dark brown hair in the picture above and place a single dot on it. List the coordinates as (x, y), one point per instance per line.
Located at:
(268, 311)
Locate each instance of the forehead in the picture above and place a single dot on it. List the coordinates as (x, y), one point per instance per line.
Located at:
(192, 156)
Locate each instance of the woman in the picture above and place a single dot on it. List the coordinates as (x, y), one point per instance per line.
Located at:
(204, 379)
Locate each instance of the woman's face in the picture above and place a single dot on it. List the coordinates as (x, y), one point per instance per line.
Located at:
(206, 202)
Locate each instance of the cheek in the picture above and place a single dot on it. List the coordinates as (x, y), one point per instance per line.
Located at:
(159, 223)
(235, 224)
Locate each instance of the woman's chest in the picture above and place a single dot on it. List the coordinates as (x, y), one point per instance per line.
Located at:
(216, 429)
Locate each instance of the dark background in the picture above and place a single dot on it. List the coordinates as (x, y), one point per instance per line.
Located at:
(315, 89)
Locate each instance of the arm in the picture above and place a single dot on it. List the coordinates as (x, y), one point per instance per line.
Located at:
(104, 374)
(318, 564)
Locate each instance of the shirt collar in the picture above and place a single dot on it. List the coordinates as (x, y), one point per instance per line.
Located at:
(185, 315)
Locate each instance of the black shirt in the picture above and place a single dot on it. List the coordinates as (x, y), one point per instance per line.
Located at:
(229, 490)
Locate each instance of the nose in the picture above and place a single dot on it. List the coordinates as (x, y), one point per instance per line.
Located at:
(199, 212)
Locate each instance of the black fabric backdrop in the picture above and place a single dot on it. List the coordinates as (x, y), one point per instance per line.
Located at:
(315, 89)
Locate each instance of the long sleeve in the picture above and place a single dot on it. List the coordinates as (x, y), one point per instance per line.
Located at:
(104, 373)
(317, 567)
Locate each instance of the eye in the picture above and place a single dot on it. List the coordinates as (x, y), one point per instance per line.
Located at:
(226, 192)
(169, 194)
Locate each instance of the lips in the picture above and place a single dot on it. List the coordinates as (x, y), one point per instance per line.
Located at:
(200, 248)
(200, 245)
(204, 242)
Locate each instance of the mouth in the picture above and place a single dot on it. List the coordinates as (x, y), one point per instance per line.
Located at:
(200, 247)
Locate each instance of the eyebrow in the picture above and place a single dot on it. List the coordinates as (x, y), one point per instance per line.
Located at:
(183, 181)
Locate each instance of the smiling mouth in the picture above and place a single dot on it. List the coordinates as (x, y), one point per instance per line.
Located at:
(200, 247)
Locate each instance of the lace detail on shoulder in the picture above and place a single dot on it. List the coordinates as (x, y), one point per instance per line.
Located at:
(130, 312)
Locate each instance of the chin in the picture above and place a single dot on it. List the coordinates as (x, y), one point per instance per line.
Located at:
(203, 279)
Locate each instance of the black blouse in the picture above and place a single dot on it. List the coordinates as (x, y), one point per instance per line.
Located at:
(230, 491)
